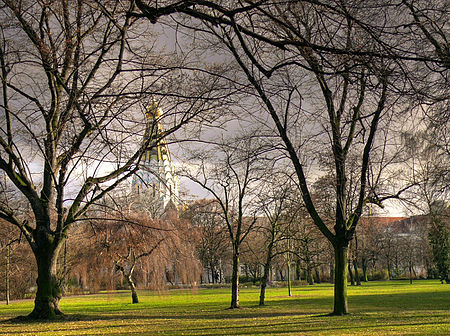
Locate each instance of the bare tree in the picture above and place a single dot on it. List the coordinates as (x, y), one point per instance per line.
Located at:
(74, 79)
(232, 179)
(335, 67)
(212, 243)
(279, 213)
(308, 247)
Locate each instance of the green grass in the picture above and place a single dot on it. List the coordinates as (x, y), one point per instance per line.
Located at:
(376, 308)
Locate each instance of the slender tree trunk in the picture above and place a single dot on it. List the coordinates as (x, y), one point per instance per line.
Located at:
(288, 269)
(297, 270)
(8, 261)
(134, 296)
(364, 269)
(128, 276)
(265, 277)
(340, 278)
(410, 273)
(350, 273)
(316, 270)
(355, 266)
(389, 272)
(235, 280)
(212, 272)
(309, 276)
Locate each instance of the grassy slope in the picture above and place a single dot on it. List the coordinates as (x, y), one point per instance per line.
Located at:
(378, 308)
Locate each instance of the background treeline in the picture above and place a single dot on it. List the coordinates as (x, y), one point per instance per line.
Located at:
(116, 250)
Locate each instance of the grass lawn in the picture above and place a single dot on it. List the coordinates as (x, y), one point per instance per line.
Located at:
(376, 308)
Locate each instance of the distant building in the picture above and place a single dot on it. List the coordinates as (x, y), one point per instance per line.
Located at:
(399, 226)
(156, 177)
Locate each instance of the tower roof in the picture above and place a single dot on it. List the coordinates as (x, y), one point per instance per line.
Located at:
(153, 110)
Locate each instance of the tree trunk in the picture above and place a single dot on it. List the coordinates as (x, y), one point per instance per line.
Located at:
(211, 268)
(332, 274)
(235, 281)
(316, 270)
(297, 270)
(48, 295)
(134, 296)
(289, 277)
(410, 273)
(309, 276)
(265, 277)
(350, 273)
(355, 266)
(8, 261)
(389, 272)
(128, 275)
(340, 278)
(364, 269)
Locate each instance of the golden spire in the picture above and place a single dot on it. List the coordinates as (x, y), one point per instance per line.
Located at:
(153, 110)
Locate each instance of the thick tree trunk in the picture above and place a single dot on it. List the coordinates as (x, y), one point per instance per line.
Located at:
(235, 281)
(340, 278)
(48, 295)
(332, 272)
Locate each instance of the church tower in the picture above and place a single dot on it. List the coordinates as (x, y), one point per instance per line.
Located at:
(157, 174)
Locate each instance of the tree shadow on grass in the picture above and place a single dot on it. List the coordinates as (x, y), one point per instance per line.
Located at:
(276, 327)
(298, 306)
(245, 313)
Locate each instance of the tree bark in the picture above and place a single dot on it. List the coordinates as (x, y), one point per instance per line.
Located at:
(410, 273)
(297, 270)
(364, 269)
(350, 273)
(355, 266)
(235, 281)
(8, 261)
(309, 276)
(264, 279)
(134, 296)
(316, 270)
(48, 295)
(340, 278)
(289, 276)
(332, 273)
(389, 272)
